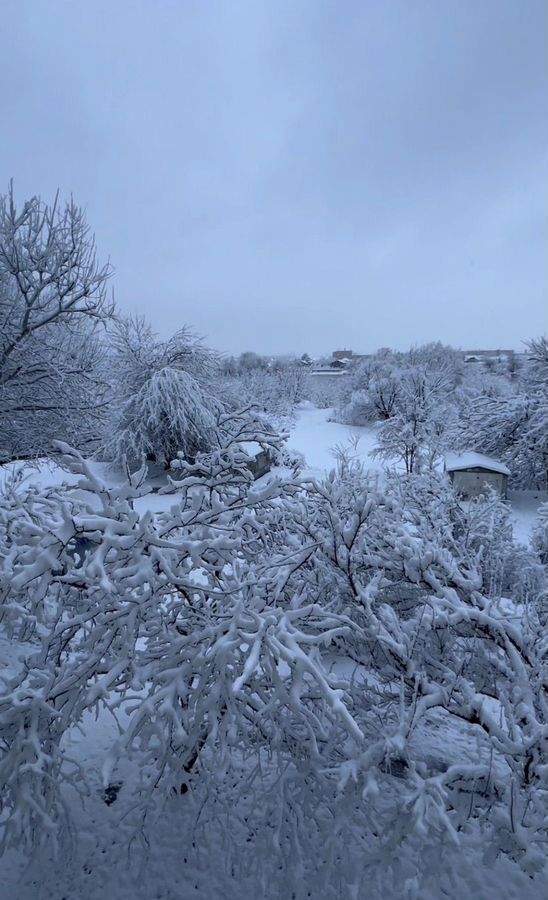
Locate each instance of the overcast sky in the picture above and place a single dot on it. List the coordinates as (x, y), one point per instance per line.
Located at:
(295, 176)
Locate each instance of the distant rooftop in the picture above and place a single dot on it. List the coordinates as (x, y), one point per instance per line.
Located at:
(458, 462)
(349, 354)
(490, 352)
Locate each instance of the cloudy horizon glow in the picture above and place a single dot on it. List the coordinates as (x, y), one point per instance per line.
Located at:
(295, 176)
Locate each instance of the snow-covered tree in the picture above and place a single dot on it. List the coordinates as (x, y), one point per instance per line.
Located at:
(170, 414)
(137, 352)
(537, 355)
(164, 399)
(374, 390)
(52, 298)
(512, 425)
(381, 387)
(424, 616)
(275, 391)
(249, 361)
(514, 430)
(422, 427)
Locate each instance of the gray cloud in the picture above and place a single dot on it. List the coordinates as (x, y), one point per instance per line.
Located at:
(295, 176)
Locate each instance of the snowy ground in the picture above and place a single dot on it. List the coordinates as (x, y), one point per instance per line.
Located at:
(317, 438)
(524, 505)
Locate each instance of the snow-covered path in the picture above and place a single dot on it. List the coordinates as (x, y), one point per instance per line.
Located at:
(316, 437)
(524, 505)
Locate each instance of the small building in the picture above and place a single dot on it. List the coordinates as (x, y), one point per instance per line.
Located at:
(488, 356)
(471, 473)
(349, 355)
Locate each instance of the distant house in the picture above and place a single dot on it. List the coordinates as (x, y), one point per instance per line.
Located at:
(470, 473)
(488, 356)
(349, 355)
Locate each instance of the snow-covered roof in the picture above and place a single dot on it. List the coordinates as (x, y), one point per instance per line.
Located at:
(456, 462)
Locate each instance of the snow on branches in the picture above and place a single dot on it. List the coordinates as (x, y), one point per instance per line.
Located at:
(302, 633)
(170, 413)
(52, 296)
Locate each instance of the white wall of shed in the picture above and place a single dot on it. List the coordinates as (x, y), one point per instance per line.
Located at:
(472, 484)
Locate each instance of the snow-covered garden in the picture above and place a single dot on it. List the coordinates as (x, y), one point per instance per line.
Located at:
(327, 681)
(321, 439)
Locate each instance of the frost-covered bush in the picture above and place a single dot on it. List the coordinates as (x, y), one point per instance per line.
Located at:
(189, 607)
(292, 459)
(513, 429)
(509, 570)
(360, 409)
(374, 544)
(416, 436)
(413, 396)
(325, 396)
(281, 656)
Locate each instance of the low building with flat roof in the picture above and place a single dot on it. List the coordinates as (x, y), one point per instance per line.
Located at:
(472, 473)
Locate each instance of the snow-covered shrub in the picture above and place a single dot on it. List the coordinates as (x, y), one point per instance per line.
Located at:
(119, 607)
(514, 430)
(424, 657)
(390, 383)
(509, 570)
(360, 409)
(377, 382)
(412, 395)
(282, 652)
(292, 459)
(325, 396)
